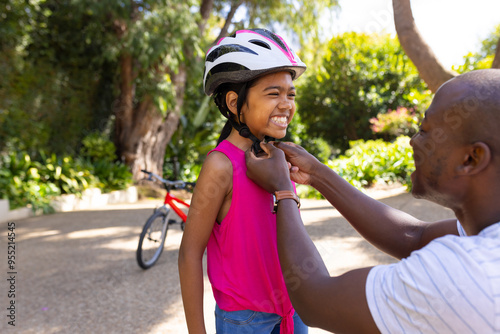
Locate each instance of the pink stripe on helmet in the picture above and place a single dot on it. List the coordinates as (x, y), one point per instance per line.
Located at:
(218, 42)
(287, 53)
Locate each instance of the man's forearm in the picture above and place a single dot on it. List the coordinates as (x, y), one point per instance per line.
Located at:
(391, 230)
(337, 304)
(302, 266)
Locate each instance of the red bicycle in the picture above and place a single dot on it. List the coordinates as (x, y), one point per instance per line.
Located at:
(154, 232)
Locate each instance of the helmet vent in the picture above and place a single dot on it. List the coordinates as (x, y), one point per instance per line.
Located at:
(260, 43)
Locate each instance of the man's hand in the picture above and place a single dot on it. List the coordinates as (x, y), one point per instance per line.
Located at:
(303, 164)
(270, 171)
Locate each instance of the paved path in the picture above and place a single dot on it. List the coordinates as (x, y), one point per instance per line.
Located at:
(76, 272)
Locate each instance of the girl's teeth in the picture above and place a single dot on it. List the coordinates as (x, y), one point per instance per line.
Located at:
(281, 119)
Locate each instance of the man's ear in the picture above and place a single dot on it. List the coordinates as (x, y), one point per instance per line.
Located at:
(232, 102)
(477, 158)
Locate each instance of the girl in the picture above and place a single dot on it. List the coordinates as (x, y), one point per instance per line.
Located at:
(250, 76)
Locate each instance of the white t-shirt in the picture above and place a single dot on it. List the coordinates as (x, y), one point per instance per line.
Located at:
(452, 285)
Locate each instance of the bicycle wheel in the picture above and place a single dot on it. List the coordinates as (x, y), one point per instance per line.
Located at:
(152, 239)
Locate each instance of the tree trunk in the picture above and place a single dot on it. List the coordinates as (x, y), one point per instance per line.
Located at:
(205, 10)
(154, 131)
(429, 67)
(496, 60)
(142, 132)
(149, 139)
(124, 110)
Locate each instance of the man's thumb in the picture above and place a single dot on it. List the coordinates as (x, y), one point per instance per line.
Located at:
(267, 147)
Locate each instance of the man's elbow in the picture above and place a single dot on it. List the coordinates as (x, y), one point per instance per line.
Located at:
(306, 307)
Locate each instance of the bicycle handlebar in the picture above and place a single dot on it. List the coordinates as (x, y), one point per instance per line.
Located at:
(169, 184)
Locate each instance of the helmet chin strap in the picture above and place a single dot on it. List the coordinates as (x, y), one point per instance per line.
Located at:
(245, 132)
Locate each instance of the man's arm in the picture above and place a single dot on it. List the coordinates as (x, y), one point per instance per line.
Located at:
(337, 304)
(333, 303)
(392, 231)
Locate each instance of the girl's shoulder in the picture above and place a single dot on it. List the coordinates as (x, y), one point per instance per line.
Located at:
(216, 169)
(217, 162)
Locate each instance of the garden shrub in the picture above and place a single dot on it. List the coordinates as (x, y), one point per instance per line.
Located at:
(99, 151)
(395, 123)
(376, 160)
(24, 181)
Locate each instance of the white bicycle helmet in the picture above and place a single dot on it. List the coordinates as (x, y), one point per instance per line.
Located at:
(246, 55)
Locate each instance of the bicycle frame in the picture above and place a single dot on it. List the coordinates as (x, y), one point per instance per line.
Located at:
(154, 232)
(169, 199)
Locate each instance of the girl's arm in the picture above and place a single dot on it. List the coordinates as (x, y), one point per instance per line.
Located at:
(213, 186)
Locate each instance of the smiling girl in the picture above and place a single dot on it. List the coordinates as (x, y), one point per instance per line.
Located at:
(250, 76)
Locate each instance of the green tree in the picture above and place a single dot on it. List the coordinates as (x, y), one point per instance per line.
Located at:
(360, 76)
(484, 57)
(134, 60)
(53, 82)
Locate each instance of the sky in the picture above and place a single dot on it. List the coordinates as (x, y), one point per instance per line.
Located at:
(452, 28)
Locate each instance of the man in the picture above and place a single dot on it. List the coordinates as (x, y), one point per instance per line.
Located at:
(449, 277)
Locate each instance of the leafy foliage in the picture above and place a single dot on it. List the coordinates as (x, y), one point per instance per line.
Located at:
(366, 162)
(112, 175)
(484, 57)
(97, 147)
(99, 152)
(25, 181)
(71, 176)
(20, 182)
(360, 76)
(394, 123)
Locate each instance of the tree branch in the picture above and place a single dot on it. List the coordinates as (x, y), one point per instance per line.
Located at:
(205, 10)
(229, 19)
(429, 67)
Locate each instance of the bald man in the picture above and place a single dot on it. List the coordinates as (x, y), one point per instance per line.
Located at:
(448, 279)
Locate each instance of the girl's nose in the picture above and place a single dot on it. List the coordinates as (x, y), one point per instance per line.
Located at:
(285, 104)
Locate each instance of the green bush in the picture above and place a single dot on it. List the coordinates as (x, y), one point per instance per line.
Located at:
(22, 182)
(72, 176)
(395, 123)
(112, 175)
(99, 152)
(358, 77)
(96, 147)
(375, 160)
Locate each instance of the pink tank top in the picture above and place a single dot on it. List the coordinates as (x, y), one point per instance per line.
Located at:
(242, 255)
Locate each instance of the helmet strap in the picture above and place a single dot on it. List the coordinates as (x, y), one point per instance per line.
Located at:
(245, 132)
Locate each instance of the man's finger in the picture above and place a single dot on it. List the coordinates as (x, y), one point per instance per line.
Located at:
(266, 147)
(288, 148)
(250, 155)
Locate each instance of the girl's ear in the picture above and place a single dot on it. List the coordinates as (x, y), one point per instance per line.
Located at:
(232, 102)
(477, 159)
